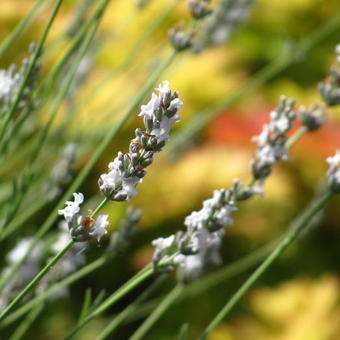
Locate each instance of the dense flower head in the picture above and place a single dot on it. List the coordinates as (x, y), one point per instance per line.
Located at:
(214, 214)
(127, 170)
(83, 228)
(208, 244)
(333, 172)
(199, 245)
(271, 141)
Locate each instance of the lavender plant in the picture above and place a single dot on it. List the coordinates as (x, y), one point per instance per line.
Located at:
(42, 260)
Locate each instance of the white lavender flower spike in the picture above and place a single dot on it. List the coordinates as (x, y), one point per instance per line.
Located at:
(83, 228)
(127, 170)
(271, 141)
(200, 244)
(333, 172)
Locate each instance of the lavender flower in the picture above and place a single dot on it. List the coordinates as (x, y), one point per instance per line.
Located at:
(208, 245)
(219, 26)
(10, 82)
(100, 227)
(199, 8)
(333, 172)
(127, 170)
(271, 141)
(83, 228)
(313, 118)
(200, 244)
(215, 213)
(72, 209)
(330, 89)
(180, 39)
(164, 248)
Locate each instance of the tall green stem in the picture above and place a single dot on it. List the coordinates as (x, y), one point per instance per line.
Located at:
(290, 237)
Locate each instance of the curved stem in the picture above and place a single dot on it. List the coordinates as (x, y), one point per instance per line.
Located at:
(290, 237)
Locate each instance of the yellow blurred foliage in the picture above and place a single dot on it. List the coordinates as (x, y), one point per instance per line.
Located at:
(300, 309)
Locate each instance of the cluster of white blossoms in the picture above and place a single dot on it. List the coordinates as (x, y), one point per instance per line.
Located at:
(333, 172)
(83, 228)
(271, 141)
(199, 245)
(127, 170)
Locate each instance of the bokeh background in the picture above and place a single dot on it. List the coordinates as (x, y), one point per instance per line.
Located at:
(298, 298)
